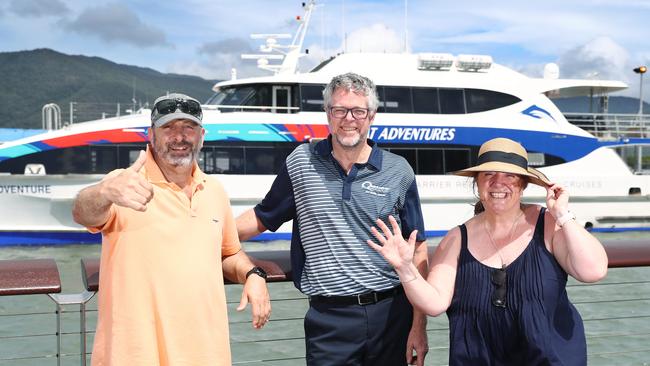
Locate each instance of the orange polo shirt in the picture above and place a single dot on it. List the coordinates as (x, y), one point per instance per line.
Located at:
(162, 299)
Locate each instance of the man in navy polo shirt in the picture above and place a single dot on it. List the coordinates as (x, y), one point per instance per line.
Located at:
(334, 190)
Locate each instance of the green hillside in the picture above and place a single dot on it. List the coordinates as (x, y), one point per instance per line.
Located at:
(31, 79)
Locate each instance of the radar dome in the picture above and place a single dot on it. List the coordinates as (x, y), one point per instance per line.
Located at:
(551, 71)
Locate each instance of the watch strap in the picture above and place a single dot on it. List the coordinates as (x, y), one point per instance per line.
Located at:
(564, 218)
(258, 271)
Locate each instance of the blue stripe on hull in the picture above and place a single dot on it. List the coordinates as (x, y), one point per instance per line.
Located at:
(568, 147)
(617, 229)
(55, 238)
(36, 238)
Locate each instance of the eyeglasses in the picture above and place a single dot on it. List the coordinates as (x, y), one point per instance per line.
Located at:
(499, 277)
(342, 112)
(168, 106)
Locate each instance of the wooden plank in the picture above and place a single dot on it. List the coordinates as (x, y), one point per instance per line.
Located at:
(29, 276)
(277, 263)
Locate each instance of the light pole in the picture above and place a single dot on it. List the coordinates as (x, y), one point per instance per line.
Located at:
(641, 70)
(639, 152)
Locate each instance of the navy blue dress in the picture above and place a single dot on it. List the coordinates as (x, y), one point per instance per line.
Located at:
(539, 326)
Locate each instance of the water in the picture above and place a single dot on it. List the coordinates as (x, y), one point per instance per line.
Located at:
(616, 313)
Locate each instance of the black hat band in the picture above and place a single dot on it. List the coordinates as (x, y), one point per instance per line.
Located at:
(503, 157)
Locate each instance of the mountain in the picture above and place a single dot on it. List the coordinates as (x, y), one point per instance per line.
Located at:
(31, 79)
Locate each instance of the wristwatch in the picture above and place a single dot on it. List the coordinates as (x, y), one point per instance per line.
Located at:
(258, 271)
(564, 218)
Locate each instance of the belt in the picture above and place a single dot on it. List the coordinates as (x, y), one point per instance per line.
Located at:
(361, 299)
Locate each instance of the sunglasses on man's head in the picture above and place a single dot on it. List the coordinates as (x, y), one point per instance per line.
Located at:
(167, 106)
(498, 278)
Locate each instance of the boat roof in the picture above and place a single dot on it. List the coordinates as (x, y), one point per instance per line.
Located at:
(578, 87)
(402, 69)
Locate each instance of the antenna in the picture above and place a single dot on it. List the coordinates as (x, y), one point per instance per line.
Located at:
(406, 25)
(288, 54)
(322, 33)
(133, 97)
(345, 36)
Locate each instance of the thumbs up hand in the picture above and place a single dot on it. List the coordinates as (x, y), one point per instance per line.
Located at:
(127, 188)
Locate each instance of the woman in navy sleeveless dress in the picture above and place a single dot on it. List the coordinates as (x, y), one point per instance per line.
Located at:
(538, 325)
(501, 276)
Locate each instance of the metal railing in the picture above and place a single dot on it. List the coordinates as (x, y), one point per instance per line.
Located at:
(612, 126)
(249, 108)
(54, 118)
(613, 330)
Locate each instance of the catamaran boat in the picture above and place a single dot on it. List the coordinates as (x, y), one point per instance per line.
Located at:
(435, 111)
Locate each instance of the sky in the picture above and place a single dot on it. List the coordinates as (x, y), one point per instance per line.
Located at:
(601, 39)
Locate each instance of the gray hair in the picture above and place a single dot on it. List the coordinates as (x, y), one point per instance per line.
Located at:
(355, 83)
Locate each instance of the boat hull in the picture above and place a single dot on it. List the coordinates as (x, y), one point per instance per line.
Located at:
(36, 210)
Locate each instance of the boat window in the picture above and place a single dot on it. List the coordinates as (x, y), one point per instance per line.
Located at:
(244, 157)
(222, 160)
(94, 159)
(456, 159)
(233, 96)
(430, 161)
(262, 160)
(311, 98)
(248, 95)
(452, 101)
(425, 100)
(103, 159)
(128, 154)
(71, 160)
(484, 100)
(433, 160)
(261, 97)
(397, 100)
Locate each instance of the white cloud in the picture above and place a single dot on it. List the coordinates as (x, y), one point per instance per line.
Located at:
(601, 57)
(116, 22)
(38, 8)
(375, 38)
(229, 45)
(217, 66)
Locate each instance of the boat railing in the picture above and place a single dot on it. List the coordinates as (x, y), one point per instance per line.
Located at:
(609, 326)
(607, 126)
(54, 118)
(249, 108)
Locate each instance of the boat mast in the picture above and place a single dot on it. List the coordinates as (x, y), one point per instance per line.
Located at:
(289, 54)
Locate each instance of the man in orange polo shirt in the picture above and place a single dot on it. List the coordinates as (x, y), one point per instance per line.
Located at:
(169, 237)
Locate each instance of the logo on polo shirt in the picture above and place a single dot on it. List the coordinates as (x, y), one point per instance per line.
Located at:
(368, 187)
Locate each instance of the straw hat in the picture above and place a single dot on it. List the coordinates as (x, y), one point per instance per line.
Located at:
(504, 155)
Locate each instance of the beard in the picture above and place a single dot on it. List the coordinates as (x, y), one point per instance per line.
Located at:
(172, 157)
(348, 142)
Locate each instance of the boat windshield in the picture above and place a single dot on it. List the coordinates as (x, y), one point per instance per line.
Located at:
(232, 96)
(252, 97)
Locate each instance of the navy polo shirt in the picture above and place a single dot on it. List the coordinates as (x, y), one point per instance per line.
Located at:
(333, 212)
